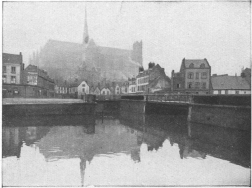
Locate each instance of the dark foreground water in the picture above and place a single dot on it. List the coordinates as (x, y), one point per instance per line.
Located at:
(125, 150)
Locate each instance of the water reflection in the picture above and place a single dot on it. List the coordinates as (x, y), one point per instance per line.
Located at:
(126, 150)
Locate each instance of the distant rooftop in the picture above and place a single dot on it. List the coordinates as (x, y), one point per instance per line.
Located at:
(229, 82)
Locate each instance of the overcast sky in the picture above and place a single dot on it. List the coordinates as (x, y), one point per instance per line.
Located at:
(170, 31)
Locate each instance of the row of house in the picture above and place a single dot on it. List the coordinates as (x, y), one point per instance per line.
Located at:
(19, 81)
(194, 77)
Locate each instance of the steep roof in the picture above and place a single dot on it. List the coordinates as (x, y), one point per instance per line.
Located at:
(196, 63)
(229, 82)
(12, 58)
(114, 51)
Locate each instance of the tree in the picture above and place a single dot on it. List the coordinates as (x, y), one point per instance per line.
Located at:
(151, 65)
(141, 69)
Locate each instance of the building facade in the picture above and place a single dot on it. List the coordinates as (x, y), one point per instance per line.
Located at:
(44, 86)
(13, 68)
(83, 89)
(152, 80)
(194, 77)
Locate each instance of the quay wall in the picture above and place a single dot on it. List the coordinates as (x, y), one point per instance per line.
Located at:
(166, 108)
(49, 109)
(134, 106)
(224, 116)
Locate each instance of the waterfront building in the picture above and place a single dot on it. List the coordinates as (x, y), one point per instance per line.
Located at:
(105, 91)
(224, 84)
(132, 85)
(97, 90)
(125, 87)
(194, 77)
(68, 60)
(12, 74)
(152, 79)
(62, 89)
(42, 84)
(83, 89)
(246, 73)
(13, 68)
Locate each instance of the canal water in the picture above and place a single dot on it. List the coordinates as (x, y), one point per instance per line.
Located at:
(122, 150)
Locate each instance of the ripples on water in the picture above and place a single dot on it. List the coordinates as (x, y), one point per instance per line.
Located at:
(125, 150)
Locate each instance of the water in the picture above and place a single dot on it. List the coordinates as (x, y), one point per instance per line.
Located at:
(125, 150)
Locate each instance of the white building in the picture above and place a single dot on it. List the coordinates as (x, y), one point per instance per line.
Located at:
(105, 91)
(83, 89)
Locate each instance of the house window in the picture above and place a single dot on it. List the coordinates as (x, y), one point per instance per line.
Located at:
(197, 75)
(103, 92)
(83, 85)
(13, 70)
(190, 85)
(190, 75)
(203, 85)
(204, 75)
(191, 65)
(178, 85)
(4, 68)
(4, 78)
(236, 92)
(107, 92)
(83, 90)
(202, 65)
(13, 79)
(197, 85)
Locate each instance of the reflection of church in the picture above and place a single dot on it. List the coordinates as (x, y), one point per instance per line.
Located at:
(87, 60)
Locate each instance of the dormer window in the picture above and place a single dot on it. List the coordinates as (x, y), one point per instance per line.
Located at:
(191, 65)
(202, 65)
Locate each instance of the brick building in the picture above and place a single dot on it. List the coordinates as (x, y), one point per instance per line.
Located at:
(194, 77)
(152, 79)
(43, 84)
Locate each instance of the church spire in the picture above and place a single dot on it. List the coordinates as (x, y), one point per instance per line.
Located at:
(85, 34)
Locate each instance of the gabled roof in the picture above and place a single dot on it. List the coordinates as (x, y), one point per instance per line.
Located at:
(195, 62)
(229, 82)
(12, 58)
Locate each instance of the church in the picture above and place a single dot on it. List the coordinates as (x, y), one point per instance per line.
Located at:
(87, 60)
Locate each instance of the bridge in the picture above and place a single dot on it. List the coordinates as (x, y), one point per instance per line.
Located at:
(232, 111)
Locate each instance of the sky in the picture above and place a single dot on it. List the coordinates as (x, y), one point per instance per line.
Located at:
(170, 31)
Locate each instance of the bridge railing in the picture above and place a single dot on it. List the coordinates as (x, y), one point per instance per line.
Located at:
(108, 97)
(170, 98)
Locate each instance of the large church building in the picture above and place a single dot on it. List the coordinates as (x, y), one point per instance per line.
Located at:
(87, 60)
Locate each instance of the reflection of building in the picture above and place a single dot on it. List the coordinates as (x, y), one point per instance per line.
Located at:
(194, 77)
(11, 141)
